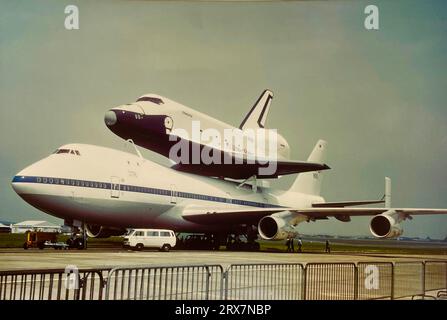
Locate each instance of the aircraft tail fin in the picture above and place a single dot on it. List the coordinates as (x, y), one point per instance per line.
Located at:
(310, 182)
(257, 115)
(387, 195)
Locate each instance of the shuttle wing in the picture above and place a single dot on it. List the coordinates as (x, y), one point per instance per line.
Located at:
(253, 215)
(268, 170)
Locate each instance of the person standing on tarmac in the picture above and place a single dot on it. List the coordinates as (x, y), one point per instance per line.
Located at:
(300, 245)
(328, 247)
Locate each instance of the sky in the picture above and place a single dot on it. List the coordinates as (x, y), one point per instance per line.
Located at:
(377, 96)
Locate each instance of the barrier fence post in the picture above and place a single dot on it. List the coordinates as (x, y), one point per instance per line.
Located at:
(356, 282)
(423, 277)
(208, 276)
(392, 281)
(224, 293)
(304, 283)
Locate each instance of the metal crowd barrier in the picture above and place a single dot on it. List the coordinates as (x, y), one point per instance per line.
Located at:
(375, 280)
(52, 284)
(189, 282)
(264, 281)
(294, 281)
(331, 281)
(435, 275)
(408, 279)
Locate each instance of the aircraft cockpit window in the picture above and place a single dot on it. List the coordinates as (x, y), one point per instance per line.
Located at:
(62, 151)
(151, 99)
(75, 152)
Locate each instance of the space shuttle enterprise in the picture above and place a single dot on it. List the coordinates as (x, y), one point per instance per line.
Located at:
(152, 120)
(106, 191)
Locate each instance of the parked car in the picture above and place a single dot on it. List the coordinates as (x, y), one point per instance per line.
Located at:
(161, 239)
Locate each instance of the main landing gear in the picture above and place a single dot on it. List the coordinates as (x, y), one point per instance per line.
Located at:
(239, 240)
(78, 238)
(235, 242)
(243, 240)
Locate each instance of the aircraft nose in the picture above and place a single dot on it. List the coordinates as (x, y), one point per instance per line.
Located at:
(17, 183)
(110, 118)
(28, 180)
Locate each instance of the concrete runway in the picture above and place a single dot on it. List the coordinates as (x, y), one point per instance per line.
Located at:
(12, 259)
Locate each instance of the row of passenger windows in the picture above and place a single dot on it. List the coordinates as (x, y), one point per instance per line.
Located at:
(70, 151)
(115, 186)
(73, 182)
(145, 190)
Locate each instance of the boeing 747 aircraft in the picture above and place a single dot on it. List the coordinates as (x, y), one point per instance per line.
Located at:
(108, 191)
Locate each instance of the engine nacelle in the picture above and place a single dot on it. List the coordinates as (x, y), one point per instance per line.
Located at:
(95, 231)
(275, 228)
(386, 225)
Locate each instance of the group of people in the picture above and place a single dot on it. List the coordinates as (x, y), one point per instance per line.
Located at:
(291, 247)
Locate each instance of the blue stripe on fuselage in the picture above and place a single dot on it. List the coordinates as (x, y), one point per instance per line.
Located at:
(138, 189)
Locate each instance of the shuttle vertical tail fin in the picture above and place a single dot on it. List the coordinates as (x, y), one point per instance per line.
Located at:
(257, 115)
(310, 182)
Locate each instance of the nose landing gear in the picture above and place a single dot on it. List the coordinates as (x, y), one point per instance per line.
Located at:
(78, 238)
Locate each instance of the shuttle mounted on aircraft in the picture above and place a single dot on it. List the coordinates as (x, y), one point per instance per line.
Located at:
(185, 135)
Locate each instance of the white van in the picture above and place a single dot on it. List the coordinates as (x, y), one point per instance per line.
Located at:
(162, 239)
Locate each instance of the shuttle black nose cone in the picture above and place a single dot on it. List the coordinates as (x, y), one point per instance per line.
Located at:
(110, 118)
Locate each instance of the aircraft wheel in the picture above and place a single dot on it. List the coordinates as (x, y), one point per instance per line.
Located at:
(79, 243)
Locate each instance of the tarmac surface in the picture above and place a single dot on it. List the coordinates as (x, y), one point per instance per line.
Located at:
(13, 259)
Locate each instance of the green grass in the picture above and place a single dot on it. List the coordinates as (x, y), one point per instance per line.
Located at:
(17, 240)
(319, 247)
(11, 240)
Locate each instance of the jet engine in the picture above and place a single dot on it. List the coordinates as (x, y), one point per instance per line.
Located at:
(386, 225)
(275, 228)
(95, 231)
